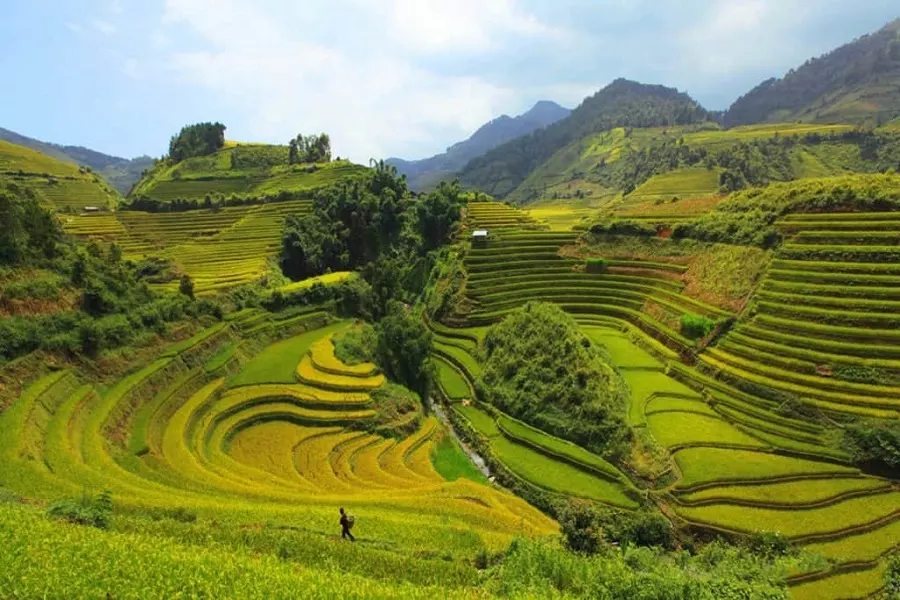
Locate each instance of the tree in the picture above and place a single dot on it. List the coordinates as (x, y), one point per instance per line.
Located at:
(404, 347)
(186, 286)
(28, 231)
(196, 140)
(309, 149)
(438, 213)
(580, 523)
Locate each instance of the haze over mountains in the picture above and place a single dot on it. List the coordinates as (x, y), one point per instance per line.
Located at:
(429, 171)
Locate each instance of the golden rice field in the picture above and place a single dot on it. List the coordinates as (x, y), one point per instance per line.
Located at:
(271, 459)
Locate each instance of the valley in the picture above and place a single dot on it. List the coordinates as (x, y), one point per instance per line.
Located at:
(669, 337)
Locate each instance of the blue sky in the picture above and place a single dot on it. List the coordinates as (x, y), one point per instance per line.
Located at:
(391, 78)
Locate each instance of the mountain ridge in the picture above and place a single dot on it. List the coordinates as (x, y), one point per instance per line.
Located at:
(857, 83)
(622, 103)
(427, 172)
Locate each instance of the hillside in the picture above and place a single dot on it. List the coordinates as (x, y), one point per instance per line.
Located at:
(122, 173)
(244, 171)
(426, 173)
(622, 103)
(734, 360)
(751, 411)
(68, 187)
(856, 83)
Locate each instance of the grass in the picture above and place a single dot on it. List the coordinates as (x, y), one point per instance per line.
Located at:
(72, 561)
(452, 463)
(557, 448)
(480, 420)
(797, 523)
(624, 352)
(451, 381)
(866, 546)
(327, 279)
(643, 384)
(718, 465)
(854, 584)
(676, 429)
(556, 476)
(278, 362)
(789, 492)
(681, 183)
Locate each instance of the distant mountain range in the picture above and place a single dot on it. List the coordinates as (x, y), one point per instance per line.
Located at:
(121, 173)
(423, 174)
(622, 103)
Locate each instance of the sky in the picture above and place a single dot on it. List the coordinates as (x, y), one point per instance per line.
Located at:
(384, 78)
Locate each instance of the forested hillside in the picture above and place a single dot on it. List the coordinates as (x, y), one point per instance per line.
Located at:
(622, 103)
(426, 173)
(856, 83)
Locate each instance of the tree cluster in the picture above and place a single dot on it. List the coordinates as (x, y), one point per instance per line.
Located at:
(540, 368)
(28, 230)
(374, 219)
(309, 149)
(115, 306)
(196, 140)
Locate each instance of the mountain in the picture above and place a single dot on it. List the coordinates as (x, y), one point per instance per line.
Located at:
(428, 172)
(122, 173)
(857, 83)
(622, 103)
(66, 186)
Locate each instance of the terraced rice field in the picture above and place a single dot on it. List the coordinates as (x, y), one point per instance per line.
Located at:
(825, 329)
(495, 216)
(62, 184)
(264, 458)
(825, 311)
(680, 185)
(517, 266)
(219, 249)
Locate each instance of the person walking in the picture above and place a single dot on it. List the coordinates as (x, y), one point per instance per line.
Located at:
(346, 525)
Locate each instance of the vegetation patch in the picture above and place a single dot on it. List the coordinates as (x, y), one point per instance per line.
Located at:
(539, 367)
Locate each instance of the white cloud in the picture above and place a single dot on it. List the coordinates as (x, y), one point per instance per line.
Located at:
(104, 27)
(75, 27)
(734, 35)
(373, 102)
(460, 25)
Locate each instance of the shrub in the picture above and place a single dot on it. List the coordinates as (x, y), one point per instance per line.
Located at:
(624, 227)
(696, 326)
(874, 442)
(580, 523)
(770, 543)
(641, 528)
(357, 345)
(94, 512)
(892, 578)
(595, 265)
(186, 286)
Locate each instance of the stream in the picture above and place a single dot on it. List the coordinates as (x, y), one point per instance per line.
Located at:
(473, 456)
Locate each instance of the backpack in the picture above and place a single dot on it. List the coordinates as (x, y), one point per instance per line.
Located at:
(351, 521)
